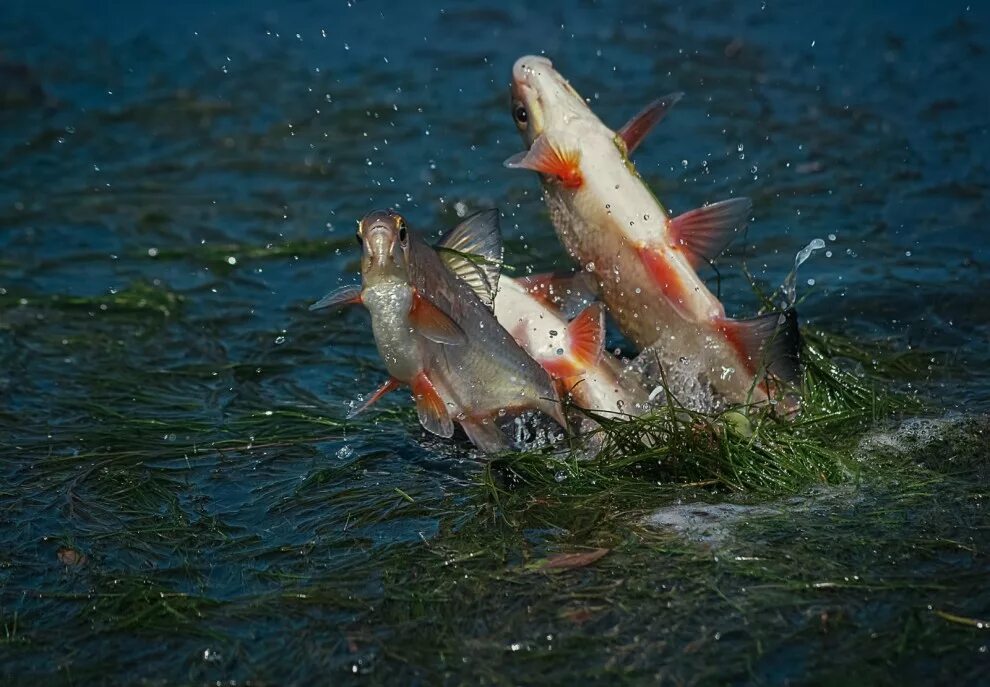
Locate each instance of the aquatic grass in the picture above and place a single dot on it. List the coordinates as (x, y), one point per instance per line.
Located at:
(138, 297)
(746, 450)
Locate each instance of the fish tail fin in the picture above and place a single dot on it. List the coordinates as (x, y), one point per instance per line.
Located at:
(771, 342)
(430, 407)
(706, 231)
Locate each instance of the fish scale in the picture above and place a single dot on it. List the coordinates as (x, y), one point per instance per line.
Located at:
(612, 224)
(435, 330)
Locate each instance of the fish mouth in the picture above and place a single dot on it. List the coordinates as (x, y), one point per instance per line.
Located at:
(529, 66)
(378, 242)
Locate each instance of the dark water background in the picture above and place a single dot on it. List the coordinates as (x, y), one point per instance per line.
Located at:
(180, 180)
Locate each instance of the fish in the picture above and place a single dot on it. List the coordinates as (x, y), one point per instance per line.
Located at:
(533, 311)
(432, 321)
(644, 260)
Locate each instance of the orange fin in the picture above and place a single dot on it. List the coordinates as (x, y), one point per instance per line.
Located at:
(435, 324)
(635, 130)
(665, 278)
(587, 335)
(345, 295)
(430, 407)
(586, 341)
(391, 385)
(706, 232)
(769, 342)
(546, 158)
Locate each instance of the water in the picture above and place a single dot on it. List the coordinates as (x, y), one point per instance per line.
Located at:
(180, 181)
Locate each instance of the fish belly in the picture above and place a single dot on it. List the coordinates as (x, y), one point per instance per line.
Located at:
(401, 350)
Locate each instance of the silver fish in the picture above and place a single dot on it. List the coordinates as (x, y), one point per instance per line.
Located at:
(645, 260)
(571, 351)
(434, 328)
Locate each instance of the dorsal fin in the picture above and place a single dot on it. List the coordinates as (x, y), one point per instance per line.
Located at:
(635, 130)
(706, 232)
(473, 252)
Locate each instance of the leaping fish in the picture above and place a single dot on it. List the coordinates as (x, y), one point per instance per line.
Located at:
(571, 351)
(431, 315)
(644, 260)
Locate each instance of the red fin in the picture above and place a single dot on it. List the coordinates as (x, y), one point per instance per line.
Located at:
(769, 342)
(635, 130)
(430, 407)
(706, 232)
(391, 385)
(586, 333)
(562, 366)
(665, 277)
(586, 341)
(345, 295)
(546, 158)
(434, 324)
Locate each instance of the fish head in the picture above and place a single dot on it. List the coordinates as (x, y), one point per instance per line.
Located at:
(384, 239)
(542, 99)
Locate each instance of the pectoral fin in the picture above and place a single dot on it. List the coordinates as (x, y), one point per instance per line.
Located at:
(345, 295)
(435, 324)
(706, 232)
(430, 407)
(546, 157)
(635, 130)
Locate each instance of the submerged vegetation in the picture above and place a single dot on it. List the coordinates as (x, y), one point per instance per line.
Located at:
(537, 565)
(183, 501)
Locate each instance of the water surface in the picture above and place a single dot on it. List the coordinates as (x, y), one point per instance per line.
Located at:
(180, 180)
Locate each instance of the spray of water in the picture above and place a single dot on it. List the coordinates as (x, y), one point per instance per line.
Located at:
(790, 284)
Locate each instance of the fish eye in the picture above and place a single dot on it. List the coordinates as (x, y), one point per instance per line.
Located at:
(519, 114)
(402, 234)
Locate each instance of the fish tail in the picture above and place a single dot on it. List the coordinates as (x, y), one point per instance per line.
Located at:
(769, 343)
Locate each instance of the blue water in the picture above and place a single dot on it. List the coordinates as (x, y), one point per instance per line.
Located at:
(218, 154)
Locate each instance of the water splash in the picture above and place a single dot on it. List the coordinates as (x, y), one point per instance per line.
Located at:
(790, 283)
